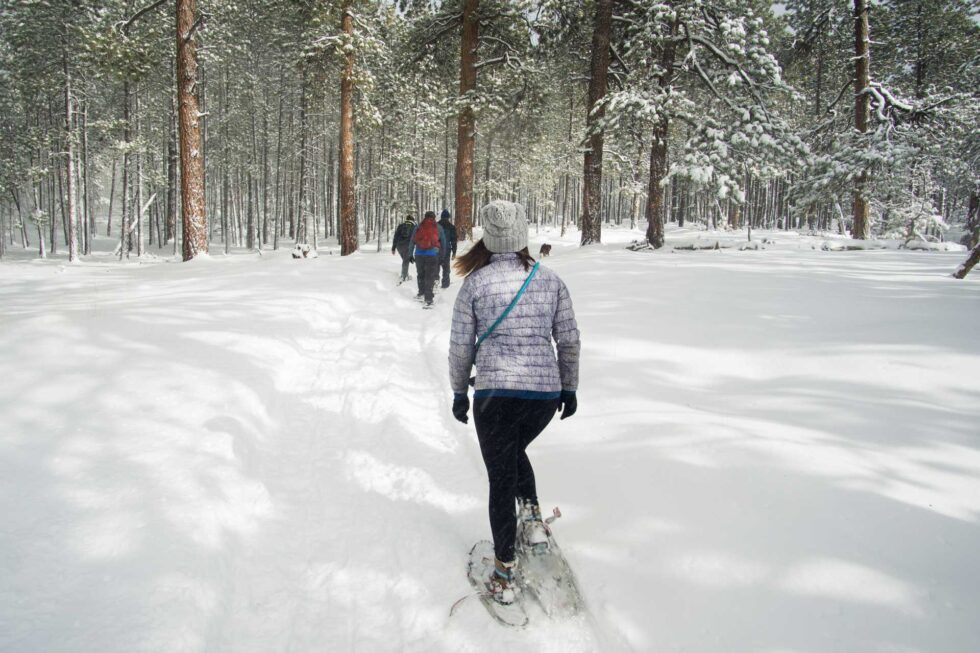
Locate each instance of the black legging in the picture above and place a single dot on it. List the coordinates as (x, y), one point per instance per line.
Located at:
(505, 427)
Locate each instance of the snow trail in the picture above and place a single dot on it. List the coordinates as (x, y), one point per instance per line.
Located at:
(241, 475)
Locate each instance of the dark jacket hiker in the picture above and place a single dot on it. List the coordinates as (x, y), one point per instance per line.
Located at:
(450, 230)
(403, 235)
(450, 252)
(402, 242)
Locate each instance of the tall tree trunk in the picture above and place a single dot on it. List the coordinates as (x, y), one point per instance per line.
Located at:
(658, 149)
(70, 167)
(124, 216)
(265, 172)
(486, 170)
(920, 63)
(331, 191)
(251, 230)
(192, 197)
(225, 195)
(973, 220)
(88, 214)
(25, 242)
(348, 202)
(466, 122)
(112, 193)
(139, 176)
(566, 193)
(598, 82)
(820, 63)
(445, 169)
(348, 207)
(279, 185)
(249, 212)
(861, 229)
(203, 113)
(302, 233)
(172, 171)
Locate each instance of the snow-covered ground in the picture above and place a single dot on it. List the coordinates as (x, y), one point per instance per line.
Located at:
(775, 450)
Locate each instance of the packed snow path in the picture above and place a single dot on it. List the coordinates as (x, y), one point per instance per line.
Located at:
(774, 451)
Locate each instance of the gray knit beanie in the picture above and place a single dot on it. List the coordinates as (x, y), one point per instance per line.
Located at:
(504, 226)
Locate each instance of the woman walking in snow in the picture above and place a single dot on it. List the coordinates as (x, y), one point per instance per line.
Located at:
(507, 313)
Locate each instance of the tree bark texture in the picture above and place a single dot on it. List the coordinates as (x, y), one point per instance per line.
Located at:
(466, 122)
(598, 82)
(968, 264)
(861, 227)
(348, 203)
(302, 235)
(171, 200)
(973, 219)
(193, 218)
(124, 205)
(87, 219)
(658, 150)
(70, 168)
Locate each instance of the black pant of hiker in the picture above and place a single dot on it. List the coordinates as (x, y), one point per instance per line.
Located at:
(405, 253)
(444, 264)
(427, 271)
(505, 427)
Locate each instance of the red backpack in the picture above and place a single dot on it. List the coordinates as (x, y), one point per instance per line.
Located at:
(427, 235)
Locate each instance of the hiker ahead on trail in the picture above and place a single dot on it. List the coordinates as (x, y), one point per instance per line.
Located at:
(450, 252)
(428, 241)
(402, 242)
(520, 382)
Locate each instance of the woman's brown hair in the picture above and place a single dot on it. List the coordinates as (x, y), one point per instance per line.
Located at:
(478, 256)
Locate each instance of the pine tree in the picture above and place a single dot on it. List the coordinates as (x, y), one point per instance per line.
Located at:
(191, 146)
(466, 121)
(598, 83)
(348, 215)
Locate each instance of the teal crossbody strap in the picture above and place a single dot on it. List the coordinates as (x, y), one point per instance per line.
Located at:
(509, 308)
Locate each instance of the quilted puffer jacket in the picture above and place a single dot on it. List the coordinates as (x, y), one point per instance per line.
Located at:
(520, 354)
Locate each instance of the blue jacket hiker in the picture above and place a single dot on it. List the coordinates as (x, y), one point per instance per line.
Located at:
(527, 369)
(427, 241)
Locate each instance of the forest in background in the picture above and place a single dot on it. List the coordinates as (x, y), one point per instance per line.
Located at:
(317, 120)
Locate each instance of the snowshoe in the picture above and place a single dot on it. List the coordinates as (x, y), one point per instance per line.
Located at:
(545, 573)
(501, 597)
(532, 529)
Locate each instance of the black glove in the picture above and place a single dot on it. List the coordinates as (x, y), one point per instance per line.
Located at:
(411, 259)
(461, 406)
(567, 404)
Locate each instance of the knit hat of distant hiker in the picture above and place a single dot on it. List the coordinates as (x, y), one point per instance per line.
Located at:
(504, 226)
(444, 215)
